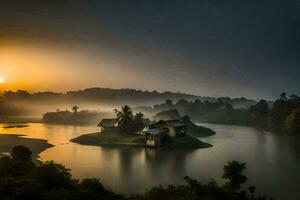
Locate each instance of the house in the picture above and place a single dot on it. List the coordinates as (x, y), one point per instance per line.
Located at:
(157, 132)
(175, 128)
(155, 136)
(108, 124)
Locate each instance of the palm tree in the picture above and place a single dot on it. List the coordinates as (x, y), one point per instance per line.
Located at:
(75, 109)
(124, 115)
(124, 118)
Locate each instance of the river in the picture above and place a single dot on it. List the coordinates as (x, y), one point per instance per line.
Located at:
(273, 161)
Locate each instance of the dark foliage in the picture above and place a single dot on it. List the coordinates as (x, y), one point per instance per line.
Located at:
(233, 173)
(282, 117)
(219, 111)
(51, 181)
(74, 118)
(127, 122)
(20, 103)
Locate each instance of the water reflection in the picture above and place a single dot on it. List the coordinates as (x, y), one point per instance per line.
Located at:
(273, 161)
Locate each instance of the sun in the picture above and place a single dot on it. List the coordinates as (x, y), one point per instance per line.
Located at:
(2, 80)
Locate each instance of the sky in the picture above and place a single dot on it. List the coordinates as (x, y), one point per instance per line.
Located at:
(205, 47)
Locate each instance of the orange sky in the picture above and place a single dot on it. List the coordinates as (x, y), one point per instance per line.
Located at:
(36, 68)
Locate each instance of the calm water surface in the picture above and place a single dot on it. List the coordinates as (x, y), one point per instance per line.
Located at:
(273, 161)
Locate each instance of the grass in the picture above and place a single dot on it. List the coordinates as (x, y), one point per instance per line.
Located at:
(185, 142)
(109, 139)
(197, 131)
(115, 139)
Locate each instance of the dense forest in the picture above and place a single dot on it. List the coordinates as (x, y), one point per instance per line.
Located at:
(282, 116)
(74, 117)
(24, 103)
(22, 179)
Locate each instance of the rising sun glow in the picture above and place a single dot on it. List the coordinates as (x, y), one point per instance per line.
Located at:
(2, 80)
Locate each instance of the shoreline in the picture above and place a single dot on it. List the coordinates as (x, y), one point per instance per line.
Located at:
(7, 142)
(187, 142)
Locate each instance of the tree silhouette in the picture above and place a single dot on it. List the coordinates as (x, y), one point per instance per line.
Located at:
(75, 109)
(21, 154)
(252, 189)
(233, 172)
(124, 118)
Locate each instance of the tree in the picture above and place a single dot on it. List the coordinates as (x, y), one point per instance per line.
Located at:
(280, 110)
(138, 122)
(182, 103)
(75, 109)
(21, 154)
(260, 112)
(124, 119)
(252, 189)
(292, 122)
(283, 96)
(19, 164)
(54, 176)
(233, 172)
(169, 102)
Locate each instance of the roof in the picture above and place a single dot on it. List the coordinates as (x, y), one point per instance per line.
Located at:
(106, 123)
(173, 123)
(155, 131)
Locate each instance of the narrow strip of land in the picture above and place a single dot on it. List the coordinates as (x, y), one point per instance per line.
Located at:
(7, 142)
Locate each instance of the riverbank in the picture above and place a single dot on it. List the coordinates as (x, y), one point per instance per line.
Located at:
(196, 130)
(117, 139)
(7, 142)
(110, 139)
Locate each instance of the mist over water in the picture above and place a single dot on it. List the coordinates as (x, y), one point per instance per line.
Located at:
(272, 160)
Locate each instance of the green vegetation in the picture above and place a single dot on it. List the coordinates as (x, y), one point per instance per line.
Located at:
(217, 111)
(195, 130)
(167, 115)
(21, 179)
(191, 128)
(110, 139)
(282, 117)
(184, 142)
(233, 173)
(76, 117)
(126, 133)
(22, 103)
(115, 138)
(127, 122)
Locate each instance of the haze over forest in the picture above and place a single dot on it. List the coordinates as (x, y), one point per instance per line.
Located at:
(207, 48)
(98, 99)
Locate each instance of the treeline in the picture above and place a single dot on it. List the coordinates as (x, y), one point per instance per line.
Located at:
(74, 117)
(282, 117)
(22, 179)
(219, 111)
(108, 96)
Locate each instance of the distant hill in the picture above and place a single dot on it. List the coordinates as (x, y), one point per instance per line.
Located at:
(120, 96)
(35, 104)
(167, 115)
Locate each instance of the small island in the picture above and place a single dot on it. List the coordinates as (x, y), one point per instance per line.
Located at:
(74, 117)
(128, 129)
